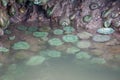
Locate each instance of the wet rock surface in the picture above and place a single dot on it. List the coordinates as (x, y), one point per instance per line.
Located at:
(69, 29)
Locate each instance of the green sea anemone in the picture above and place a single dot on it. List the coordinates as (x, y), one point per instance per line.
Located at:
(36, 60)
(70, 38)
(83, 55)
(55, 42)
(58, 32)
(21, 45)
(40, 34)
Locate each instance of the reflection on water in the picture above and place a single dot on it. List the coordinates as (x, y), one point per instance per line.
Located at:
(58, 55)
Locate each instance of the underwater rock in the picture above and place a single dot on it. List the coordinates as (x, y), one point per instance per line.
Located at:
(3, 49)
(55, 42)
(97, 52)
(72, 50)
(40, 34)
(83, 44)
(116, 24)
(113, 42)
(68, 29)
(87, 18)
(54, 53)
(105, 30)
(4, 19)
(98, 60)
(70, 38)
(1, 32)
(94, 6)
(84, 35)
(1, 65)
(101, 38)
(117, 57)
(58, 32)
(83, 55)
(45, 29)
(36, 60)
(20, 45)
(23, 54)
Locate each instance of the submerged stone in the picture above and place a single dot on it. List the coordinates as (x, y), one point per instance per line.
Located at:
(98, 60)
(55, 42)
(40, 34)
(68, 29)
(3, 49)
(83, 55)
(84, 35)
(36, 60)
(58, 32)
(70, 38)
(72, 50)
(83, 44)
(101, 38)
(105, 30)
(21, 45)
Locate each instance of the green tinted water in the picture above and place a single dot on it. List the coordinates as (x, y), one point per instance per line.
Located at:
(57, 58)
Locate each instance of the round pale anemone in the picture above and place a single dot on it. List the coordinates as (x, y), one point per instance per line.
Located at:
(83, 55)
(106, 30)
(68, 29)
(101, 38)
(70, 38)
(54, 53)
(21, 45)
(83, 44)
(55, 42)
(35, 60)
(84, 35)
(3, 49)
(40, 34)
(50, 53)
(98, 60)
(58, 31)
(72, 50)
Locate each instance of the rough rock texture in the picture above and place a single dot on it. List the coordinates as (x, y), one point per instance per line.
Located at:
(53, 11)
